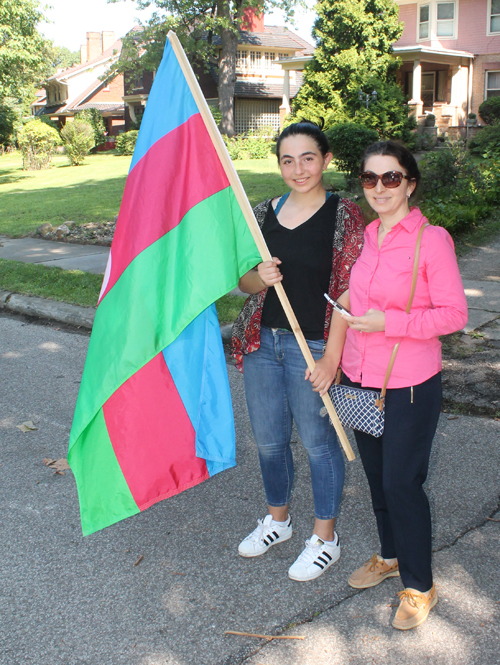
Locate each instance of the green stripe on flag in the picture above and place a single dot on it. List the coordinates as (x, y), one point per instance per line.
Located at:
(163, 289)
(103, 493)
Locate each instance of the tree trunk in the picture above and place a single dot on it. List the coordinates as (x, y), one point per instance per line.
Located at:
(227, 79)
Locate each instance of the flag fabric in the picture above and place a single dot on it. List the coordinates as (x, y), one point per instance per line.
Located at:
(154, 414)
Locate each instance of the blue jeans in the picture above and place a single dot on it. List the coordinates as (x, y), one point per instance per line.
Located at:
(276, 393)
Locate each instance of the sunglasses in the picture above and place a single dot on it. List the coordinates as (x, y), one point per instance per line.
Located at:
(390, 179)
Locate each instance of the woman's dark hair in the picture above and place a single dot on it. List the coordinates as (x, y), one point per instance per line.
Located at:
(393, 149)
(306, 128)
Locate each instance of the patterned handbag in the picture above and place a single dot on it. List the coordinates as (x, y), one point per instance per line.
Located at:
(361, 409)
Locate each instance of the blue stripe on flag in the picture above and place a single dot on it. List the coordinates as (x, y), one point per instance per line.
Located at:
(197, 364)
(170, 104)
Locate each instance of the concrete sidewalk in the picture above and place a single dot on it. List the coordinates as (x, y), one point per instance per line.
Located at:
(82, 601)
(70, 256)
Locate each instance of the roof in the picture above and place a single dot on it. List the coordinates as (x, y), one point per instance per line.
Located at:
(115, 48)
(425, 50)
(49, 110)
(264, 89)
(259, 89)
(104, 107)
(272, 37)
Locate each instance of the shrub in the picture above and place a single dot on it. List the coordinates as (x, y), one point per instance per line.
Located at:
(486, 142)
(455, 192)
(248, 147)
(217, 115)
(78, 139)
(490, 111)
(125, 143)
(94, 118)
(348, 141)
(37, 142)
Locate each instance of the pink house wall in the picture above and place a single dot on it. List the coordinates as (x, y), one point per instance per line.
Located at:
(472, 25)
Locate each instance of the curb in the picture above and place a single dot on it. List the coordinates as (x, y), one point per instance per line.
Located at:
(74, 315)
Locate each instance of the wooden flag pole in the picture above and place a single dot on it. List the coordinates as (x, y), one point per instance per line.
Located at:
(246, 208)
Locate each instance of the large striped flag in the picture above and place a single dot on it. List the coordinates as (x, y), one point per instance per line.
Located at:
(154, 414)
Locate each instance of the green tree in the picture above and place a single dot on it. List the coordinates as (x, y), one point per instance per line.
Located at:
(63, 58)
(78, 139)
(10, 119)
(24, 52)
(354, 45)
(37, 142)
(196, 22)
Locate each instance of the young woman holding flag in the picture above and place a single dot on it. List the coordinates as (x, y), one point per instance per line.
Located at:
(314, 238)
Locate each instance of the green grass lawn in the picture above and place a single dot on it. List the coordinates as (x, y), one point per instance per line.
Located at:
(92, 192)
(71, 286)
(88, 193)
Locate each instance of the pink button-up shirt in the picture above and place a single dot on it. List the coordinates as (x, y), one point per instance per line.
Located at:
(381, 279)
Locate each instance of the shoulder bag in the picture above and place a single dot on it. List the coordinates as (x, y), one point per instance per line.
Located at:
(362, 409)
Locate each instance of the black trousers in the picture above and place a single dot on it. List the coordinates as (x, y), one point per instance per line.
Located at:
(396, 466)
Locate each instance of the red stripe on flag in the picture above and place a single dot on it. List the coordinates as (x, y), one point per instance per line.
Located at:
(152, 435)
(177, 172)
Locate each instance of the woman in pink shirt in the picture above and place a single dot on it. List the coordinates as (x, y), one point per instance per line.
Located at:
(396, 463)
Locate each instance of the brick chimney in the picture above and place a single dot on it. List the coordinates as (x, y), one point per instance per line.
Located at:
(94, 45)
(108, 38)
(252, 22)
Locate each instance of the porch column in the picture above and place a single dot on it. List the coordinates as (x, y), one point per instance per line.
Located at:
(416, 101)
(456, 94)
(285, 105)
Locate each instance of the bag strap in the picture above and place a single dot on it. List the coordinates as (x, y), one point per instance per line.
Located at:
(408, 308)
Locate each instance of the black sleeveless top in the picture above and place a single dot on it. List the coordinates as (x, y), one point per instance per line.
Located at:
(306, 255)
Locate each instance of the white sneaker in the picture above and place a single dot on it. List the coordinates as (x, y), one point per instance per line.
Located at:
(315, 559)
(267, 534)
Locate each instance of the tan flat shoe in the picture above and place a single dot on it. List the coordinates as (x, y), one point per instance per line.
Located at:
(372, 573)
(414, 608)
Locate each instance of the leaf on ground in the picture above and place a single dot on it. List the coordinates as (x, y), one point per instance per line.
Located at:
(27, 426)
(56, 464)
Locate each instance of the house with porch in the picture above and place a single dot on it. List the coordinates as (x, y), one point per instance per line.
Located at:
(260, 77)
(450, 54)
(80, 87)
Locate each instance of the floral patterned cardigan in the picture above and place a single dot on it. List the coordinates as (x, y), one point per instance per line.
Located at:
(347, 245)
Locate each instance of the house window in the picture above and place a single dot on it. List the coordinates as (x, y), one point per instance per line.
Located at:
(494, 16)
(255, 60)
(277, 58)
(492, 84)
(445, 19)
(423, 26)
(268, 60)
(241, 60)
(138, 82)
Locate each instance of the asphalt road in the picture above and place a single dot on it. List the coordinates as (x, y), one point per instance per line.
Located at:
(73, 600)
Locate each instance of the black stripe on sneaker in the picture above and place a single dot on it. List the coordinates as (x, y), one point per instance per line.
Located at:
(318, 564)
(276, 534)
(326, 554)
(268, 539)
(323, 560)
